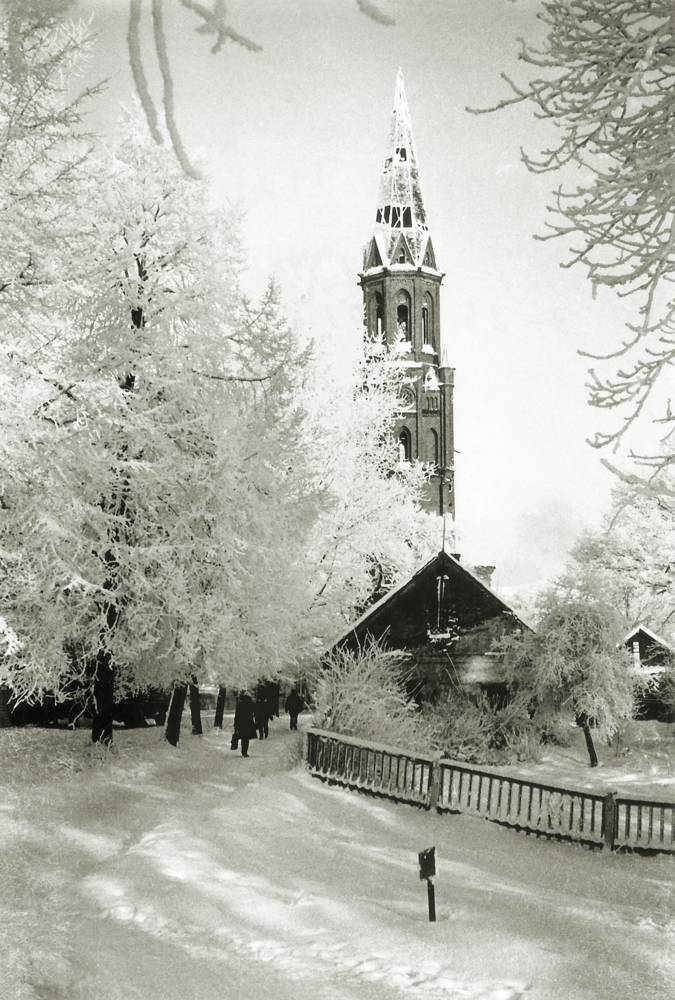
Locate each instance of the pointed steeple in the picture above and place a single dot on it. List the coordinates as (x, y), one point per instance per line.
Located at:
(401, 287)
(400, 232)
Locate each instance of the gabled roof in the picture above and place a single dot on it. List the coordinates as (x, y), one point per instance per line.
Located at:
(373, 255)
(401, 245)
(480, 602)
(429, 257)
(635, 633)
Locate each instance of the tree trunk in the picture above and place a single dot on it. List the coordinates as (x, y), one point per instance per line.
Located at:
(104, 678)
(194, 711)
(172, 732)
(104, 698)
(6, 694)
(220, 708)
(589, 743)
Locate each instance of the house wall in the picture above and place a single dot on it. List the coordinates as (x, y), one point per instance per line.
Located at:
(447, 621)
(469, 662)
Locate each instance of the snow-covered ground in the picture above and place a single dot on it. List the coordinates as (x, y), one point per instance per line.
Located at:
(173, 874)
(642, 764)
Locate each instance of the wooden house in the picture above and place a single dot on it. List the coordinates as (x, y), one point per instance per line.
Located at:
(651, 656)
(446, 618)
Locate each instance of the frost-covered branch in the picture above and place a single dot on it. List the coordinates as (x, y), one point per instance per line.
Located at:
(605, 78)
(138, 71)
(214, 21)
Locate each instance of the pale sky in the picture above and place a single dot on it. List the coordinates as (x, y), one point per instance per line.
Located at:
(296, 134)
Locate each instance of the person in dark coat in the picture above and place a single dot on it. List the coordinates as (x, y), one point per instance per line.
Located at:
(261, 715)
(270, 695)
(294, 705)
(244, 722)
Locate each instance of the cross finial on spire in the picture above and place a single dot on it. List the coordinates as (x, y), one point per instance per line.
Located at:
(399, 93)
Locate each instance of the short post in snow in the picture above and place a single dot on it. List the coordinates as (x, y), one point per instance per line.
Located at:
(427, 862)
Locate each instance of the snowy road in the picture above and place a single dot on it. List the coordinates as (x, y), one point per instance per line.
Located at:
(201, 874)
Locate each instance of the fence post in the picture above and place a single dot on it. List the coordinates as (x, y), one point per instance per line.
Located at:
(609, 815)
(434, 781)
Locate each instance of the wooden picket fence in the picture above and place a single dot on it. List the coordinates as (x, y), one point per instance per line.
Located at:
(591, 818)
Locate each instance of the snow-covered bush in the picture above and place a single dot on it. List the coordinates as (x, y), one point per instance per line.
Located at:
(462, 730)
(481, 731)
(363, 694)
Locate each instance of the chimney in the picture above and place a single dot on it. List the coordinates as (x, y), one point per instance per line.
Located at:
(484, 573)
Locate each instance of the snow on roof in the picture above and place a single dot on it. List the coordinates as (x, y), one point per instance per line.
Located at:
(418, 572)
(652, 635)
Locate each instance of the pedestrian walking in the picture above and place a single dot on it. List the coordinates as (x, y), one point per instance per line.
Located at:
(294, 705)
(270, 695)
(261, 716)
(244, 722)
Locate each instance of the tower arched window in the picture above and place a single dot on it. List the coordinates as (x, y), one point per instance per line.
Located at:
(404, 450)
(427, 320)
(379, 315)
(432, 446)
(403, 315)
(403, 320)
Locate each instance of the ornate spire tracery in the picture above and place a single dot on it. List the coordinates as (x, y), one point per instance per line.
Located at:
(400, 218)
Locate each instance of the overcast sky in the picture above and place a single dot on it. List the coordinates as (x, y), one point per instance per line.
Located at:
(296, 135)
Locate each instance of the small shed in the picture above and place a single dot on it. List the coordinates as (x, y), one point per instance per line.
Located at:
(650, 651)
(446, 618)
(651, 655)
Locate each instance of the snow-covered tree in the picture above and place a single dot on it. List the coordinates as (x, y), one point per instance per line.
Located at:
(153, 493)
(372, 531)
(633, 557)
(605, 75)
(43, 146)
(364, 694)
(571, 663)
(172, 472)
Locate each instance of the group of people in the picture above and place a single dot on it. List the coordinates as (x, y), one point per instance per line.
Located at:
(252, 718)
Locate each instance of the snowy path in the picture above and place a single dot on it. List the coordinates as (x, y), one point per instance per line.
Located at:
(197, 873)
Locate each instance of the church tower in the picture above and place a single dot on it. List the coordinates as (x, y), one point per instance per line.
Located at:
(401, 286)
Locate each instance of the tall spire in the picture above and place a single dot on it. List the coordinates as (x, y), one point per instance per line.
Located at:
(400, 232)
(402, 303)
